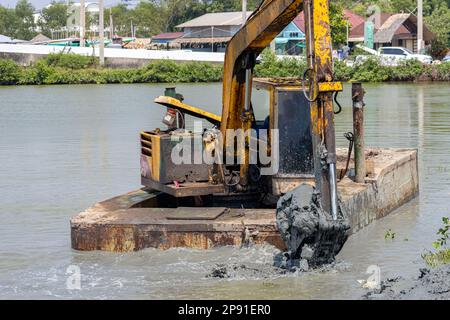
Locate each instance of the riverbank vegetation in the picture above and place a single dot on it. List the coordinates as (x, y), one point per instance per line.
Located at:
(442, 254)
(152, 17)
(76, 69)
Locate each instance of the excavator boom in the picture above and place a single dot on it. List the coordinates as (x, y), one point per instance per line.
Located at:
(311, 221)
(262, 27)
(260, 30)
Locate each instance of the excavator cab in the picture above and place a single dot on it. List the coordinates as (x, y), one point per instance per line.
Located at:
(289, 116)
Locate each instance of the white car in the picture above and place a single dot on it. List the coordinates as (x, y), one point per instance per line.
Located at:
(393, 55)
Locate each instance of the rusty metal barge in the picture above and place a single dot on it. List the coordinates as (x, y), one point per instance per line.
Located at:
(141, 219)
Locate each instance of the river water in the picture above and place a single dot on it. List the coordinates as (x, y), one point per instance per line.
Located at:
(63, 148)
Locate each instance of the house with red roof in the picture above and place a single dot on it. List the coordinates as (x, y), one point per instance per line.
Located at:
(397, 30)
(292, 40)
(164, 38)
(212, 31)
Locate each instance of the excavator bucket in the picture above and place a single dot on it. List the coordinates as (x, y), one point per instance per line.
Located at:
(310, 233)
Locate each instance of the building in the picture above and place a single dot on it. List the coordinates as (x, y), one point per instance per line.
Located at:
(166, 38)
(210, 32)
(291, 41)
(354, 22)
(5, 39)
(397, 30)
(73, 22)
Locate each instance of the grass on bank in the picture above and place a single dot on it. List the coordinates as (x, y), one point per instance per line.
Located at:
(442, 254)
(76, 69)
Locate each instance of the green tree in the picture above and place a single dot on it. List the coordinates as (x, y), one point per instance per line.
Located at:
(230, 5)
(53, 17)
(439, 23)
(25, 25)
(338, 24)
(148, 17)
(8, 22)
(179, 11)
(121, 19)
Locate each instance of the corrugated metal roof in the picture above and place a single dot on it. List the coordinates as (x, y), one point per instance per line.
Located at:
(40, 38)
(5, 38)
(399, 25)
(354, 19)
(215, 19)
(390, 26)
(202, 40)
(168, 35)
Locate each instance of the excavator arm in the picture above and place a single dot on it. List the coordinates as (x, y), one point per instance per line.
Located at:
(259, 31)
(262, 27)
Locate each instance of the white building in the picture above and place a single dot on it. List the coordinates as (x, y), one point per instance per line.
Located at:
(73, 22)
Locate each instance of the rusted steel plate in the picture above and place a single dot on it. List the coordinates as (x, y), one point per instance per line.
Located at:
(184, 189)
(186, 213)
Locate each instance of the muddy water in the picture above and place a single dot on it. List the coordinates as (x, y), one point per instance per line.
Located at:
(63, 148)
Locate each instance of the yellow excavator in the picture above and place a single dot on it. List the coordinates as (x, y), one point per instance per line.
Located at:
(294, 129)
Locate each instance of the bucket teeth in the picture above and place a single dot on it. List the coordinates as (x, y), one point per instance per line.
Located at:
(308, 231)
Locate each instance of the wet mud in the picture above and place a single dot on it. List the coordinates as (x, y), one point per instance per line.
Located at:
(269, 271)
(431, 284)
(312, 237)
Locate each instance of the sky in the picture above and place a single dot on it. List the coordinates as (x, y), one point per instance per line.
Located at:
(38, 4)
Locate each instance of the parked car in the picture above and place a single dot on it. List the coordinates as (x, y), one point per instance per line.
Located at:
(393, 55)
(446, 58)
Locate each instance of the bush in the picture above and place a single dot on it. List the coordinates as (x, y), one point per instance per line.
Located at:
(9, 72)
(442, 72)
(370, 70)
(342, 72)
(438, 49)
(271, 66)
(408, 70)
(199, 72)
(70, 61)
(121, 76)
(72, 69)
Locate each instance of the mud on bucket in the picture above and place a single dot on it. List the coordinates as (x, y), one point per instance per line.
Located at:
(311, 235)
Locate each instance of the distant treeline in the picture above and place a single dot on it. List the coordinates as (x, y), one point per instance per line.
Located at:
(76, 69)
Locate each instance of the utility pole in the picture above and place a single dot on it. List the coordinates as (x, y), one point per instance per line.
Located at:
(348, 31)
(244, 11)
(419, 25)
(82, 23)
(101, 30)
(212, 38)
(111, 24)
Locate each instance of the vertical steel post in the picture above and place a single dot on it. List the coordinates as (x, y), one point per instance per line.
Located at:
(419, 26)
(358, 131)
(82, 23)
(101, 31)
(244, 12)
(111, 25)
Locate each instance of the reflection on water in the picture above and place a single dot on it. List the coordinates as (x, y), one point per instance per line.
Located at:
(63, 148)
